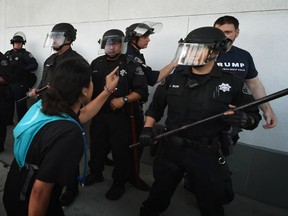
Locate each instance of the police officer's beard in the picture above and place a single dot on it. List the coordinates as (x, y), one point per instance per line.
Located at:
(60, 47)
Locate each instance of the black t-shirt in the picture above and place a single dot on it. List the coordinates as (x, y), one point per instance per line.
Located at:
(57, 150)
(239, 62)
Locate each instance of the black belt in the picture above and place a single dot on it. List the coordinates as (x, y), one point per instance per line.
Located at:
(207, 145)
(201, 145)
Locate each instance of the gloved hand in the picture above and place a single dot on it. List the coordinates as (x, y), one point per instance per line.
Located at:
(238, 119)
(146, 137)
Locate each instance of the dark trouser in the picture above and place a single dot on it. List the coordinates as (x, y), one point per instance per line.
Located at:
(110, 129)
(210, 180)
(74, 187)
(6, 112)
(18, 92)
(3, 133)
(14, 185)
(136, 153)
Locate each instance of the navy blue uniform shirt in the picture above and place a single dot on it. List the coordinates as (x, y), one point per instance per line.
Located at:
(151, 75)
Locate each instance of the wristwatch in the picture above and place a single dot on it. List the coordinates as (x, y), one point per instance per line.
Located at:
(125, 99)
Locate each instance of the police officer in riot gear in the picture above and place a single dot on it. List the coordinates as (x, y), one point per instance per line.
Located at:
(138, 37)
(112, 125)
(6, 99)
(60, 39)
(24, 65)
(196, 90)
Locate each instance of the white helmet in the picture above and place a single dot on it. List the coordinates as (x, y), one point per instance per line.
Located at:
(18, 37)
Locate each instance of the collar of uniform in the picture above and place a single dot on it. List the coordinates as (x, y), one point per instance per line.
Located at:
(18, 50)
(216, 71)
(132, 49)
(65, 53)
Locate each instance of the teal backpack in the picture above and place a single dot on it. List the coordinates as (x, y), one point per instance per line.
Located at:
(28, 127)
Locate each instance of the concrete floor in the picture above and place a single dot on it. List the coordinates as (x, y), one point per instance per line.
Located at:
(92, 202)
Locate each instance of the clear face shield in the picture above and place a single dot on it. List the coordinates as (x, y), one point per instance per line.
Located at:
(55, 39)
(193, 54)
(113, 45)
(156, 26)
(141, 29)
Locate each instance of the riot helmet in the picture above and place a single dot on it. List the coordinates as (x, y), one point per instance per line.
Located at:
(18, 37)
(61, 34)
(110, 40)
(146, 28)
(201, 46)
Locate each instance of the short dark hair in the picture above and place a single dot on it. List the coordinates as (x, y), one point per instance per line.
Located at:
(227, 20)
(66, 84)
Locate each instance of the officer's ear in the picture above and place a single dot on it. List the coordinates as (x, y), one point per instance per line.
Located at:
(237, 32)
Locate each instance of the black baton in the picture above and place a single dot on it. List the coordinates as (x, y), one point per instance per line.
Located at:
(37, 92)
(228, 112)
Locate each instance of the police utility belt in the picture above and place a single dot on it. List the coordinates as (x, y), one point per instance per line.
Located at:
(205, 145)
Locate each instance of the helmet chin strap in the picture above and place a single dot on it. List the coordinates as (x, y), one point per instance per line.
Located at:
(60, 47)
(136, 44)
(211, 57)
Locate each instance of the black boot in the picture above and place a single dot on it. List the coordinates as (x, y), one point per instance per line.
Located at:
(92, 178)
(69, 196)
(116, 191)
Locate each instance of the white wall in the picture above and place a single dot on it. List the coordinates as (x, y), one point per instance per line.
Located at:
(263, 31)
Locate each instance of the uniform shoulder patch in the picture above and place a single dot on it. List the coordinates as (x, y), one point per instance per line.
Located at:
(4, 62)
(139, 71)
(30, 55)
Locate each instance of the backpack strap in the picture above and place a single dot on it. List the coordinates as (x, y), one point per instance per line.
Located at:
(32, 168)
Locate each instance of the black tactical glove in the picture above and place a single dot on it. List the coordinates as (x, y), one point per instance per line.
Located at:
(239, 119)
(146, 137)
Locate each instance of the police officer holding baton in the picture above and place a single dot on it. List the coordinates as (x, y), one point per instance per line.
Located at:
(196, 90)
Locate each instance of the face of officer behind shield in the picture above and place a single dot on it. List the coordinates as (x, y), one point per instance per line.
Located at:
(113, 45)
(113, 48)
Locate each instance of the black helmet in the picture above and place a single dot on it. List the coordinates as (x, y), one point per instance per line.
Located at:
(201, 46)
(137, 30)
(18, 37)
(112, 35)
(67, 28)
(209, 35)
